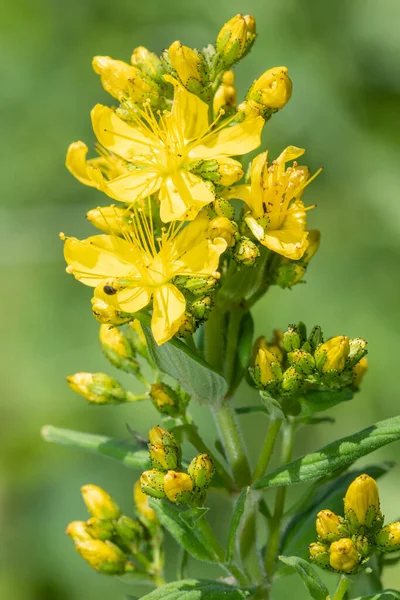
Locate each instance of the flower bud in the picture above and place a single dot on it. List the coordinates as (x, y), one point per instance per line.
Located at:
(291, 380)
(332, 354)
(319, 553)
(187, 326)
(266, 368)
(189, 66)
(178, 487)
(344, 556)
(358, 349)
(314, 240)
(271, 91)
(361, 503)
(316, 338)
(246, 252)
(123, 81)
(162, 437)
(117, 349)
(152, 483)
(146, 61)
(330, 527)
(236, 38)
(165, 399)
(291, 338)
(221, 227)
(302, 361)
(98, 388)
(201, 470)
(110, 219)
(104, 557)
(138, 339)
(99, 503)
(105, 313)
(388, 538)
(130, 531)
(100, 529)
(78, 531)
(221, 171)
(201, 308)
(164, 451)
(225, 96)
(142, 503)
(221, 208)
(196, 285)
(359, 371)
(288, 274)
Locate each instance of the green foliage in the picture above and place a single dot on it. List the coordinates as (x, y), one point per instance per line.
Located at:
(235, 522)
(315, 586)
(385, 595)
(197, 589)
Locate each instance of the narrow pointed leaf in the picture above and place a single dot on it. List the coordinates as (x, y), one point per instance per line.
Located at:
(125, 452)
(335, 456)
(384, 595)
(194, 589)
(235, 521)
(311, 580)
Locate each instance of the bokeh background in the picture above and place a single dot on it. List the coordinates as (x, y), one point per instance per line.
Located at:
(343, 58)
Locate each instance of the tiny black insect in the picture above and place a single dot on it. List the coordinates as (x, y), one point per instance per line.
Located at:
(109, 290)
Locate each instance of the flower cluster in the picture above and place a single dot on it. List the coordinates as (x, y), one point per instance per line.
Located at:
(113, 543)
(166, 156)
(293, 364)
(166, 479)
(346, 543)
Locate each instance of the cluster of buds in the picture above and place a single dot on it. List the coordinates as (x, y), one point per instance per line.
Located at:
(346, 543)
(166, 479)
(293, 363)
(113, 543)
(288, 273)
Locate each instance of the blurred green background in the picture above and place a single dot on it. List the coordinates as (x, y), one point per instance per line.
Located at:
(343, 58)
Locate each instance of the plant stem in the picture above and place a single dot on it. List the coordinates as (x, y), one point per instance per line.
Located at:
(233, 444)
(268, 448)
(235, 318)
(214, 340)
(341, 588)
(275, 523)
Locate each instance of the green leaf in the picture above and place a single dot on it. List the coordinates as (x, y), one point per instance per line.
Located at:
(272, 406)
(235, 521)
(195, 589)
(191, 371)
(318, 400)
(246, 410)
(191, 539)
(123, 451)
(313, 583)
(384, 595)
(245, 345)
(334, 456)
(193, 515)
(299, 530)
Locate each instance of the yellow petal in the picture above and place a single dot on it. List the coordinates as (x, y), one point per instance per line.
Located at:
(99, 257)
(242, 192)
(132, 299)
(136, 184)
(76, 163)
(189, 112)
(290, 153)
(291, 240)
(231, 141)
(169, 306)
(183, 192)
(117, 136)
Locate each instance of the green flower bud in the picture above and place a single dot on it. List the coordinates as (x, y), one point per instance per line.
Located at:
(236, 38)
(105, 313)
(201, 308)
(196, 285)
(117, 348)
(291, 381)
(291, 339)
(147, 61)
(246, 252)
(316, 337)
(266, 370)
(98, 388)
(319, 553)
(104, 557)
(130, 531)
(358, 349)
(99, 503)
(100, 529)
(152, 483)
(201, 470)
(303, 362)
(221, 208)
(288, 274)
(165, 453)
(388, 538)
(188, 325)
(165, 399)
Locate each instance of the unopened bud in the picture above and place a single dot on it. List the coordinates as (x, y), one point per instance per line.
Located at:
(359, 371)
(152, 483)
(104, 557)
(246, 252)
(189, 66)
(291, 339)
(332, 355)
(100, 529)
(187, 326)
(221, 208)
(142, 503)
(388, 538)
(236, 38)
(319, 553)
(165, 453)
(124, 81)
(266, 369)
(130, 531)
(201, 308)
(224, 171)
(197, 285)
(291, 380)
(110, 219)
(221, 227)
(344, 557)
(225, 96)
(288, 274)
(316, 338)
(271, 91)
(105, 313)
(138, 339)
(178, 487)
(99, 503)
(78, 531)
(201, 470)
(146, 61)
(117, 349)
(302, 361)
(361, 503)
(98, 388)
(165, 399)
(358, 349)
(330, 527)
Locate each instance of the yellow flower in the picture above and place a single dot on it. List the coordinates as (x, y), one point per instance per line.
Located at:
(344, 556)
(277, 217)
(186, 62)
(160, 152)
(361, 503)
(131, 271)
(177, 486)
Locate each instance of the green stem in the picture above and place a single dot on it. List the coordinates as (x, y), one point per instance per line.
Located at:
(214, 340)
(235, 318)
(275, 523)
(197, 441)
(135, 398)
(341, 588)
(267, 449)
(158, 580)
(233, 444)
